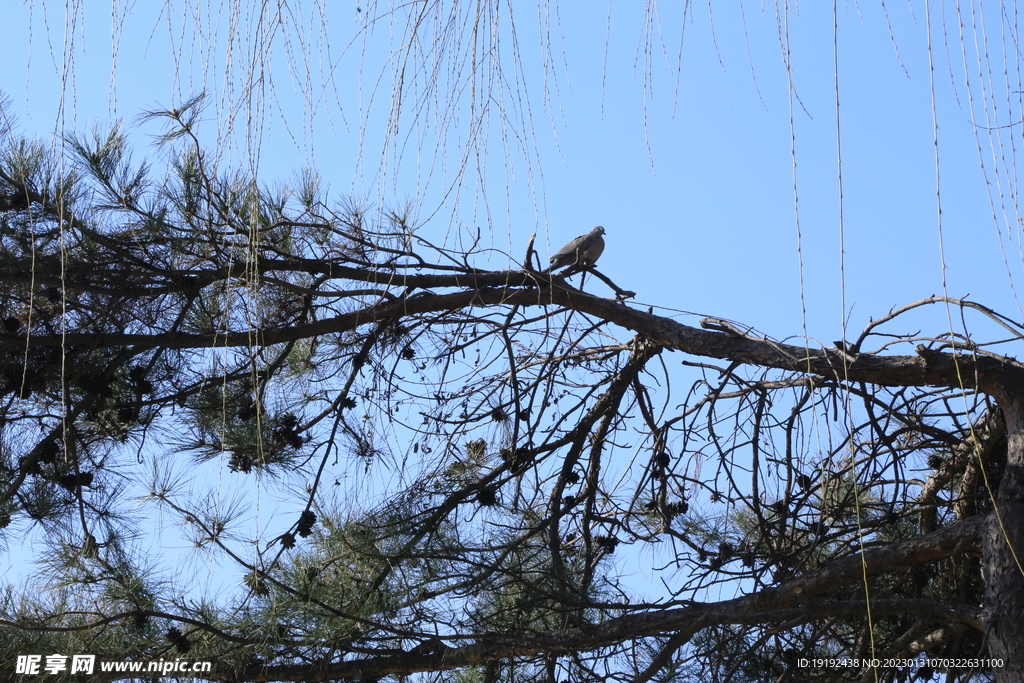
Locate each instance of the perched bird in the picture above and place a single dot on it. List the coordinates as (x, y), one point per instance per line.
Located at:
(582, 251)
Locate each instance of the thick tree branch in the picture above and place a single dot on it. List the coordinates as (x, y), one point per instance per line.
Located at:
(797, 598)
(997, 376)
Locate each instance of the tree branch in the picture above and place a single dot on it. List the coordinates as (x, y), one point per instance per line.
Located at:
(793, 599)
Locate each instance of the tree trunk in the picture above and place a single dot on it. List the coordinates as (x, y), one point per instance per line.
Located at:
(1003, 563)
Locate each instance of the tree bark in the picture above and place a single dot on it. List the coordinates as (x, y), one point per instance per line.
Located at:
(1003, 563)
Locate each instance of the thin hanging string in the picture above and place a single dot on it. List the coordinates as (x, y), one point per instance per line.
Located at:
(842, 298)
(792, 153)
(67, 77)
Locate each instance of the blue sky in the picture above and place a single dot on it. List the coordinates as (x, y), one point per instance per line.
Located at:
(690, 168)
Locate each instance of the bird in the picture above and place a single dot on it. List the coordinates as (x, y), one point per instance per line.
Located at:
(582, 251)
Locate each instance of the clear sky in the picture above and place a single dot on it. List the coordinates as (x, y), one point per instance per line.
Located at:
(681, 135)
(674, 133)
